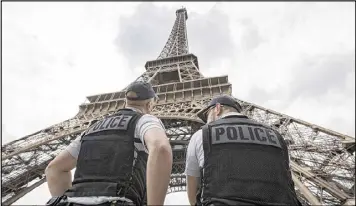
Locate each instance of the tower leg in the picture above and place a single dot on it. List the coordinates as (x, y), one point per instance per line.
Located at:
(304, 190)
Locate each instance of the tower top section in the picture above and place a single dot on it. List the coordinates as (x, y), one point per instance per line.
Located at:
(177, 43)
(182, 10)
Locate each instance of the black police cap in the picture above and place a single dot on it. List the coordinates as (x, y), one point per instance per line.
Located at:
(223, 100)
(143, 91)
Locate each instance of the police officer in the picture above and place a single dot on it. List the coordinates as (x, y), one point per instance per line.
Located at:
(234, 160)
(111, 158)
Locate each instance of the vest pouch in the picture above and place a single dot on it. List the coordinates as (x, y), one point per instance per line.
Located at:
(104, 162)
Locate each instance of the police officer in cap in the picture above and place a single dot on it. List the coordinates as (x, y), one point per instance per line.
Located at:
(234, 160)
(111, 158)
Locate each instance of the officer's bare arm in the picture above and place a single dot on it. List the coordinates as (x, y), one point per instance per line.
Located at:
(159, 165)
(192, 188)
(192, 165)
(58, 174)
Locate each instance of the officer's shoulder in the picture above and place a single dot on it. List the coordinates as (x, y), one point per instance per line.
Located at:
(199, 131)
(195, 138)
(149, 117)
(197, 134)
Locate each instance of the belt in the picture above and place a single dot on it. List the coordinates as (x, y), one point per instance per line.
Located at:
(113, 203)
(62, 201)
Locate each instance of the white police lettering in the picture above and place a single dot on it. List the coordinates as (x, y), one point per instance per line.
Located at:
(244, 134)
(120, 122)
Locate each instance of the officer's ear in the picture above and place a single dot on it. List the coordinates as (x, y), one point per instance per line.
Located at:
(150, 104)
(218, 108)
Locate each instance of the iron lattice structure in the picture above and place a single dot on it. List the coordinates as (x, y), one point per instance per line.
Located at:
(322, 161)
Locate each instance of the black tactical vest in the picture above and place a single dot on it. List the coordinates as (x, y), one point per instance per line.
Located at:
(245, 163)
(109, 164)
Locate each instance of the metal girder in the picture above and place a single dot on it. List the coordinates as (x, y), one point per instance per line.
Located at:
(23, 192)
(318, 152)
(305, 191)
(320, 182)
(350, 201)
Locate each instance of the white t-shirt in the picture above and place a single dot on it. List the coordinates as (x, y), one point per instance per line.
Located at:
(145, 123)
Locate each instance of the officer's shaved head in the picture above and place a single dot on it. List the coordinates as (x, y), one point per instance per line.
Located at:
(216, 111)
(226, 109)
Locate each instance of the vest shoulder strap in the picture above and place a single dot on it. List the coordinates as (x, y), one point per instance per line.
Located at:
(133, 122)
(206, 139)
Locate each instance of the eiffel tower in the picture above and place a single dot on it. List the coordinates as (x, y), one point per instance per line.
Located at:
(322, 161)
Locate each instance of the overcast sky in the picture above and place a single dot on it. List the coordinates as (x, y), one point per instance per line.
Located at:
(296, 58)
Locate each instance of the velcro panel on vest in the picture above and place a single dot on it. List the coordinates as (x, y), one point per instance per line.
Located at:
(244, 134)
(119, 122)
(245, 161)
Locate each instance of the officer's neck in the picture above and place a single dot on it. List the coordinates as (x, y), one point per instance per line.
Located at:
(230, 114)
(135, 108)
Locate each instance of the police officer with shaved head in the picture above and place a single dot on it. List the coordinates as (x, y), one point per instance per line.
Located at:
(234, 160)
(111, 157)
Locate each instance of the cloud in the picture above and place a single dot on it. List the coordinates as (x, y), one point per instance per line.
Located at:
(51, 61)
(319, 74)
(210, 37)
(143, 35)
(251, 37)
(5, 136)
